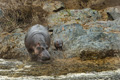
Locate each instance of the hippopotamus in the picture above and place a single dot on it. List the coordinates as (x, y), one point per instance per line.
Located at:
(37, 42)
(58, 43)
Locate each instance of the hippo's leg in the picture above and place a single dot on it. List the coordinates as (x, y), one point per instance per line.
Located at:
(32, 56)
(57, 48)
(61, 48)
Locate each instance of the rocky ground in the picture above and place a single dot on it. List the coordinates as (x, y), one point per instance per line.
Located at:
(90, 30)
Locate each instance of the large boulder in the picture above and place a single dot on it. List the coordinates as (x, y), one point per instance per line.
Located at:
(53, 6)
(113, 12)
(73, 16)
(99, 40)
(12, 45)
(68, 33)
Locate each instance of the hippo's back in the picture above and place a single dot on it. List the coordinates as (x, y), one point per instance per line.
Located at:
(36, 29)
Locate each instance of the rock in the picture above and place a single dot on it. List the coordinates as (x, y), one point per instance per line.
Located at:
(1, 30)
(113, 12)
(1, 13)
(73, 16)
(105, 75)
(19, 30)
(56, 54)
(66, 33)
(54, 6)
(98, 41)
(12, 45)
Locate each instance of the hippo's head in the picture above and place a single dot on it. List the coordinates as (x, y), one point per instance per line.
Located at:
(58, 43)
(41, 51)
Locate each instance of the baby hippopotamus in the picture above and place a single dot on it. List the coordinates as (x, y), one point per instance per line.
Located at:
(37, 42)
(58, 43)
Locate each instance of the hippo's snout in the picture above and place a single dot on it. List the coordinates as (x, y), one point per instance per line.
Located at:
(44, 58)
(44, 55)
(60, 45)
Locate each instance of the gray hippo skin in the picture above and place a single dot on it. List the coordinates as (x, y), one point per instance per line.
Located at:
(37, 42)
(58, 43)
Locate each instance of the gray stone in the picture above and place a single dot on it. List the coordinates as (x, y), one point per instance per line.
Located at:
(19, 30)
(54, 6)
(1, 30)
(1, 13)
(113, 12)
(98, 40)
(73, 16)
(12, 45)
(66, 33)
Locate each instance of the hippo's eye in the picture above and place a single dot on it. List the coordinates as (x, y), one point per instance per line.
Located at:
(42, 48)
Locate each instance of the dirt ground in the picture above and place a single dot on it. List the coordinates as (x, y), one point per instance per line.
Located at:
(64, 66)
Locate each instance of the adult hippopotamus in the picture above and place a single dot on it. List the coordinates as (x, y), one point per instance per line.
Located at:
(37, 42)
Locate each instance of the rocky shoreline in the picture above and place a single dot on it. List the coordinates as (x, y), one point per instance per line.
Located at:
(105, 75)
